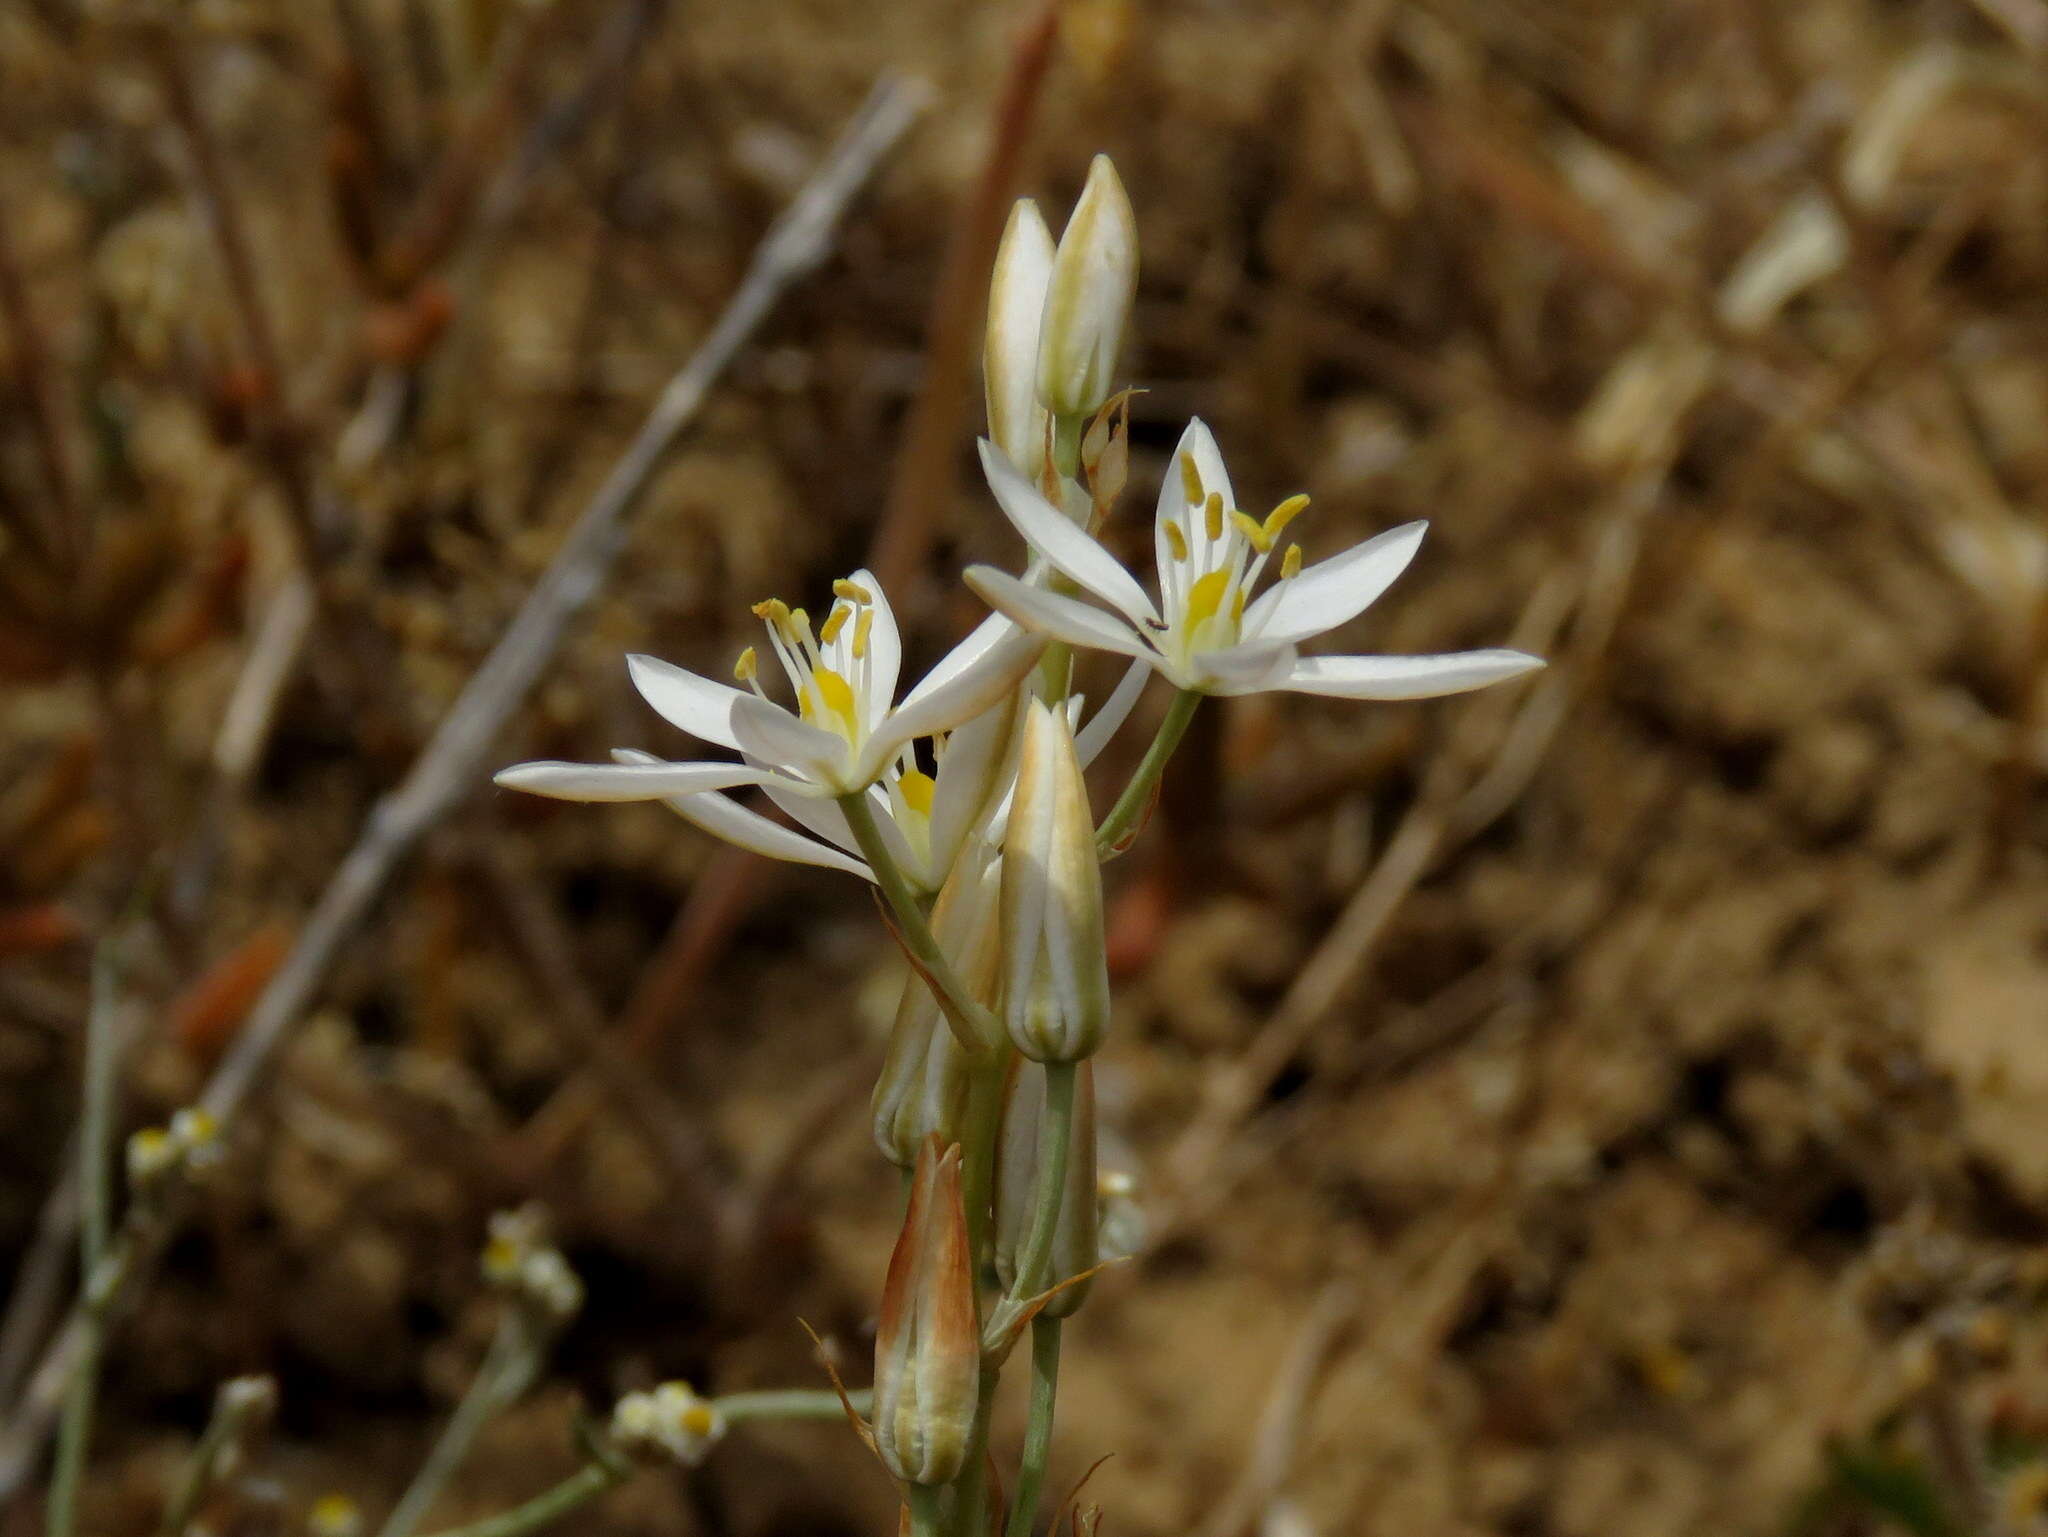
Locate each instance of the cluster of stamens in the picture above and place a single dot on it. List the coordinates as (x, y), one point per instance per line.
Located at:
(1217, 561)
(829, 669)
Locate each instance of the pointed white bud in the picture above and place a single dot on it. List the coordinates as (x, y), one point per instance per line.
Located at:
(1094, 279)
(1055, 975)
(1009, 352)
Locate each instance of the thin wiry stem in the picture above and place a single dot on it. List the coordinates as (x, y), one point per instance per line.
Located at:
(507, 1368)
(95, 1231)
(579, 1488)
(1123, 816)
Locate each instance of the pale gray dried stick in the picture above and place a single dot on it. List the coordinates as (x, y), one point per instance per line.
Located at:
(447, 768)
(1271, 1456)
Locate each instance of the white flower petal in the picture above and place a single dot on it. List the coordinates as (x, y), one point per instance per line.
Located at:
(822, 817)
(686, 700)
(1336, 590)
(1406, 677)
(960, 698)
(650, 781)
(970, 774)
(1244, 669)
(983, 638)
(1116, 709)
(1009, 358)
(1054, 614)
(1198, 442)
(723, 817)
(885, 648)
(1071, 549)
(773, 735)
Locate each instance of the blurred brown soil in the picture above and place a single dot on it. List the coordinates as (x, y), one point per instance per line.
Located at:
(1722, 320)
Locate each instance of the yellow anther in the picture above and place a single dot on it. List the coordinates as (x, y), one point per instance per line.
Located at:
(917, 787)
(853, 592)
(800, 624)
(1290, 563)
(1190, 480)
(773, 611)
(746, 667)
(698, 1420)
(1250, 527)
(195, 1127)
(861, 632)
(835, 622)
(1212, 513)
(501, 1258)
(1176, 541)
(1281, 516)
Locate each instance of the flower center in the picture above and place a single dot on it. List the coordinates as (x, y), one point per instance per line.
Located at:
(828, 671)
(1212, 563)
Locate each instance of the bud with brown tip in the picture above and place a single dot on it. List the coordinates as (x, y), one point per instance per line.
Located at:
(928, 1342)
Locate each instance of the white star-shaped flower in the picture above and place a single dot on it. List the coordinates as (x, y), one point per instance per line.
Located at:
(845, 737)
(1208, 633)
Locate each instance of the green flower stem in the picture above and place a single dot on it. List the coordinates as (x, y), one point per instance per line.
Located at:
(580, 1487)
(1035, 1258)
(506, 1368)
(978, 1154)
(926, 1509)
(1045, 1382)
(970, 1489)
(967, 1015)
(95, 1229)
(790, 1404)
(1067, 432)
(221, 1427)
(1130, 805)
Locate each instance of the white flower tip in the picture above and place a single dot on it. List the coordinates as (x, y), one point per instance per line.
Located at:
(1088, 298)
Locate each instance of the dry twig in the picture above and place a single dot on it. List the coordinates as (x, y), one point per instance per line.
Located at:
(446, 770)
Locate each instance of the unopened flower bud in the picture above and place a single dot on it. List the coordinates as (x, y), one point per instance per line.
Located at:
(1088, 299)
(520, 1261)
(151, 1156)
(156, 1154)
(1009, 353)
(928, 1342)
(1055, 974)
(672, 1423)
(1020, 1156)
(922, 1089)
